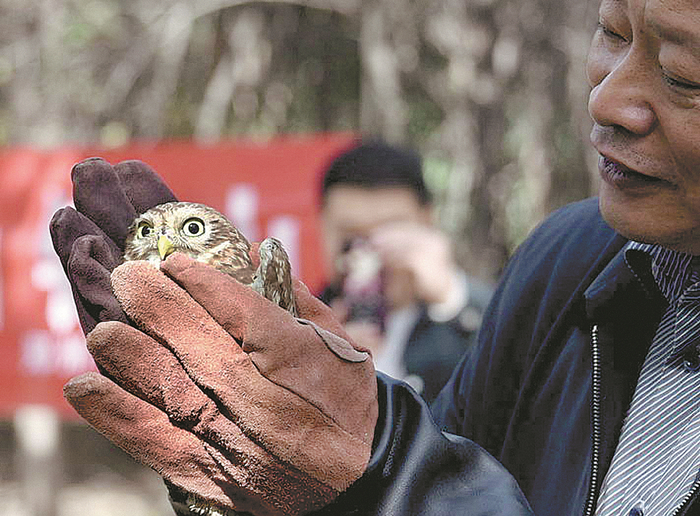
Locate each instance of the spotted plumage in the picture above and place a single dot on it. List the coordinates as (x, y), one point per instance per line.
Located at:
(205, 235)
(273, 277)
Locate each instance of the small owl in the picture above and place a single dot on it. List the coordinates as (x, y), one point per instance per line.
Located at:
(205, 235)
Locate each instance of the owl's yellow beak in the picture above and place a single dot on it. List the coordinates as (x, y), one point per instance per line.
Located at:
(165, 247)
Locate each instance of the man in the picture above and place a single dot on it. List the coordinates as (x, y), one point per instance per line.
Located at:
(585, 383)
(589, 396)
(394, 282)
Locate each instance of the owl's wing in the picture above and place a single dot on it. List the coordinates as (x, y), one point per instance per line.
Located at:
(273, 277)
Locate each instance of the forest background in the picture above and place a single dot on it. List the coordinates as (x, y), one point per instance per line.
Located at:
(492, 93)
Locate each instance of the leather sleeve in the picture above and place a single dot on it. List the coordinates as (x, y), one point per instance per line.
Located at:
(417, 469)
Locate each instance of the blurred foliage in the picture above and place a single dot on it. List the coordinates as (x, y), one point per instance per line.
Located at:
(492, 92)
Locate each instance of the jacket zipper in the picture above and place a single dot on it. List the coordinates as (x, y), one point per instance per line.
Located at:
(688, 497)
(596, 424)
(596, 421)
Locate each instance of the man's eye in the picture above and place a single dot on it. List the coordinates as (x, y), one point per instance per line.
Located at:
(678, 83)
(610, 33)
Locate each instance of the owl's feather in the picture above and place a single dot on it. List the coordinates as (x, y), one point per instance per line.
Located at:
(273, 277)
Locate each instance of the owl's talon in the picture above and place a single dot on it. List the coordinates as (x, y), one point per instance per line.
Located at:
(198, 507)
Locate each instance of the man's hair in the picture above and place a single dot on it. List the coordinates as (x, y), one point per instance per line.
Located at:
(376, 164)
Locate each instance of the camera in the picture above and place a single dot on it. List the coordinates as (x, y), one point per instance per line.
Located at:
(362, 282)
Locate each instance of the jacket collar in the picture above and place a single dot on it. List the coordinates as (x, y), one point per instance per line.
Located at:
(624, 284)
(626, 306)
(626, 292)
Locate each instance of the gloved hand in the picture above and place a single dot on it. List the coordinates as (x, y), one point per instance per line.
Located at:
(227, 395)
(90, 241)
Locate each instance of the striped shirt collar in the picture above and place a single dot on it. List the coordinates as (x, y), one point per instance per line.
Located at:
(674, 273)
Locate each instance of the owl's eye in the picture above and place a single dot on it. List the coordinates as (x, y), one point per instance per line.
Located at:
(144, 229)
(193, 227)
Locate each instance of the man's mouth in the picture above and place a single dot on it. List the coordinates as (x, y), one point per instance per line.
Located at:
(618, 174)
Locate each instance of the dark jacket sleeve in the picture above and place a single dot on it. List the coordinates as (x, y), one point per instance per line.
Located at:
(417, 469)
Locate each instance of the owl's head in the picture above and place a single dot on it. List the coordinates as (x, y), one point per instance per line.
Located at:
(196, 230)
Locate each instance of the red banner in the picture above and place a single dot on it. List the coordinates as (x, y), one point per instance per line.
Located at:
(266, 189)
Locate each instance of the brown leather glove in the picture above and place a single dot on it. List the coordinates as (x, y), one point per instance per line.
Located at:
(227, 395)
(89, 239)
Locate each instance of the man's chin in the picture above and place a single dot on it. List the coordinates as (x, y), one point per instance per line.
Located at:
(651, 225)
(619, 218)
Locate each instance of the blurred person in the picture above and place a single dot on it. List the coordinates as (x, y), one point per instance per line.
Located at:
(584, 384)
(394, 282)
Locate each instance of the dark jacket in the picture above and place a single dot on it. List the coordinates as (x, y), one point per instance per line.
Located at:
(416, 469)
(530, 393)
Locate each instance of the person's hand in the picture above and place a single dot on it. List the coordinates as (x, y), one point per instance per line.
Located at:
(420, 252)
(227, 395)
(89, 239)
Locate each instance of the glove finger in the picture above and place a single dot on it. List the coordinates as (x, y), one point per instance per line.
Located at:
(237, 310)
(142, 186)
(66, 226)
(315, 443)
(99, 195)
(240, 313)
(89, 267)
(150, 371)
(313, 309)
(146, 434)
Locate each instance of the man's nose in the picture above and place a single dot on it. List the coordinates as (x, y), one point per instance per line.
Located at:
(624, 98)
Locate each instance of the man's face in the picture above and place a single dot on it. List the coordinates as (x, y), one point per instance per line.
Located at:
(644, 68)
(352, 212)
